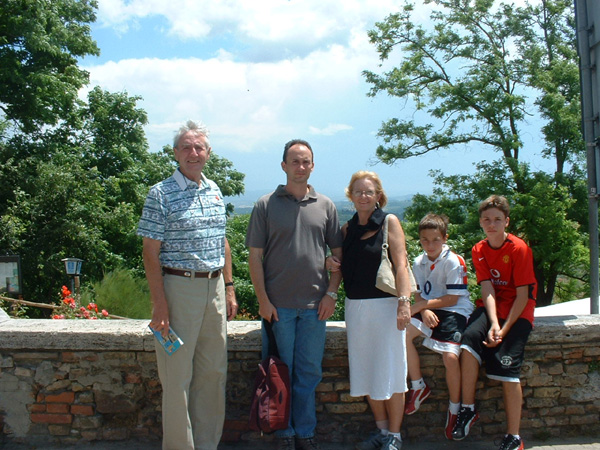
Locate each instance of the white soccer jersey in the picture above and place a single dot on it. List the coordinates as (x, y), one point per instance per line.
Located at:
(447, 275)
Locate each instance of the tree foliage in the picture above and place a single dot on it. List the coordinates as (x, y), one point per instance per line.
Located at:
(541, 215)
(74, 174)
(470, 75)
(40, 42)
(67, 194)
(551, 64)
(79, 191)
(236, 235)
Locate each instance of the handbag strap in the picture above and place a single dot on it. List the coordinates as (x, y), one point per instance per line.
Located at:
(384, 254)
(268, 326)
(385, 244)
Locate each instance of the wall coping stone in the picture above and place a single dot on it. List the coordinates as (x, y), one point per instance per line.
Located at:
(134, 335)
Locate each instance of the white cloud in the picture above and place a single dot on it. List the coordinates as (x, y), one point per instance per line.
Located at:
(275, 70)
(289, 24)
(330, 129)
(248, 101)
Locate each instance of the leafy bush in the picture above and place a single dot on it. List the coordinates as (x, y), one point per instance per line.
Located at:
(122, 293)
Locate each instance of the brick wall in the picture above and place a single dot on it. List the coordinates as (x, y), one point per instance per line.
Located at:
(68, 381)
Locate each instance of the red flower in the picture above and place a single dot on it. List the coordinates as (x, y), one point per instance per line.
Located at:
(105, 313)
(92, 307)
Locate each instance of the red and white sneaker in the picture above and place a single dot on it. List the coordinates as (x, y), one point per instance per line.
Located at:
(466, 418)
(415, 398)
(450, 423)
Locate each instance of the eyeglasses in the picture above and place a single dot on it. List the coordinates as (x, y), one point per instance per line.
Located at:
(361, 193)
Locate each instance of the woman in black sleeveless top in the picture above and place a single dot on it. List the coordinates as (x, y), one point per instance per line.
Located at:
(375, 320)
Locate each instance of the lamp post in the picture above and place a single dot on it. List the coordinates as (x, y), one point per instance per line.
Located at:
(73, 269)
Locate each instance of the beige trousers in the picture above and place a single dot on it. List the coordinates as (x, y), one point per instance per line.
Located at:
(193, 378)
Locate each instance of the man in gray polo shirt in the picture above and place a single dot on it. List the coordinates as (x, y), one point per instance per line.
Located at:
(188, 267)
(288, 235)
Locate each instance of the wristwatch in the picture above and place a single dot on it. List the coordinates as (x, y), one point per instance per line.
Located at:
(332, 294)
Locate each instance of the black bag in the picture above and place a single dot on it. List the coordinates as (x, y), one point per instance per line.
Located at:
(270, 408)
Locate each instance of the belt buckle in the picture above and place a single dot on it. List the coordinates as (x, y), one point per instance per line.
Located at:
(187, 274)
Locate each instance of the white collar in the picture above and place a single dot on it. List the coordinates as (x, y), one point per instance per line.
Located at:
(183, 182)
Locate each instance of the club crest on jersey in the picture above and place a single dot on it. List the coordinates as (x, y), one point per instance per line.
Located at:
(505, 259)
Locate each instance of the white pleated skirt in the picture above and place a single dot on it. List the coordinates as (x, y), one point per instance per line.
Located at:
(376, 348)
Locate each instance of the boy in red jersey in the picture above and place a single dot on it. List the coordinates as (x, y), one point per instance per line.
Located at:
(500, 326)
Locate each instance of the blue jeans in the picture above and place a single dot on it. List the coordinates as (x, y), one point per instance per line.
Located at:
(300, 337)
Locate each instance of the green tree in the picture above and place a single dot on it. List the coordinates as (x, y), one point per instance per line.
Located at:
(470, 76)
(549, 52)
(40, 42)
(79, 191)
(461, 71)
(236, 235)
(539, 214)
(74, 175)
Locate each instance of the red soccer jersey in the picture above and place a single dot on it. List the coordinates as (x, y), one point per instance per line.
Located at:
(507, 267)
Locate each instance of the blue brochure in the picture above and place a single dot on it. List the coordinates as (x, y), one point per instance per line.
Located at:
(171, 344)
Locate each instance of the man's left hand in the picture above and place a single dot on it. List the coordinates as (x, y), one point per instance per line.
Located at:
(326, 307)
(232, 306)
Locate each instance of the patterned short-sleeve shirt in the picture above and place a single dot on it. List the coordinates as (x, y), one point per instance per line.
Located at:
(189, 219)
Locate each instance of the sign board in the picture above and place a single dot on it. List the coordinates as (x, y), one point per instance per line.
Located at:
(10, 275)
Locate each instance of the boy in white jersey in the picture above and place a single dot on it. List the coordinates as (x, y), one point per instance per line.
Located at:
(440, 312)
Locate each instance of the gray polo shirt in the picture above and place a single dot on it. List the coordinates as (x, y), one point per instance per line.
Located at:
(294, 236)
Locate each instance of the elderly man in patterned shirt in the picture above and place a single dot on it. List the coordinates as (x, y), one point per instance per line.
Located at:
(188, 266)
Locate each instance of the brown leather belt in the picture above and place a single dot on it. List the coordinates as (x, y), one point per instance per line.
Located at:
(191, 273)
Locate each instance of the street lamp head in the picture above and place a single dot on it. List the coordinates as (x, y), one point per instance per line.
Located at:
(73, 266)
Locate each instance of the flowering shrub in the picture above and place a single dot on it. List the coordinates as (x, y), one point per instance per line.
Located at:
(69, 308)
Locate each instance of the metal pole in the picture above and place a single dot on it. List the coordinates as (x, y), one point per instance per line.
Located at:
(589, 89)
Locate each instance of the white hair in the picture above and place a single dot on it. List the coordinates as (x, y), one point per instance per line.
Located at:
(195, 127)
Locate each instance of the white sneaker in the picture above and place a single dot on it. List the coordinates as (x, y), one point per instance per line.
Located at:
(392, 443)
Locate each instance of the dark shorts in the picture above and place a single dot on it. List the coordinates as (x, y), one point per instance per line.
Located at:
(447, 336)
(504, 361)
(450, 328)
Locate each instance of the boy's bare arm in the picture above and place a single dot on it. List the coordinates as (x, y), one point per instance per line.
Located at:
(488, 296)
(434, 303)
(517, 308)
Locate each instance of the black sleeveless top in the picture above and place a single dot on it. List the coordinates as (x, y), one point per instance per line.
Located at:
(361, 257)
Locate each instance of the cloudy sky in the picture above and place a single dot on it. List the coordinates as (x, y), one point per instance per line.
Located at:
(260, 73)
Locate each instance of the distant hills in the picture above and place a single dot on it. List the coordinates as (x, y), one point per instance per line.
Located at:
(244, 204)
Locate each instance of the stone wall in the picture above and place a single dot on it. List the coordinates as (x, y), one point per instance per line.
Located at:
(68, 381)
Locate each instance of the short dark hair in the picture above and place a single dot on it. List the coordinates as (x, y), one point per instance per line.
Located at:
(293, 142)
(434, 222)
(495, 201)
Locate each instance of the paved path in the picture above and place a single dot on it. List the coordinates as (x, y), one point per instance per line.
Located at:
(552, 444)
